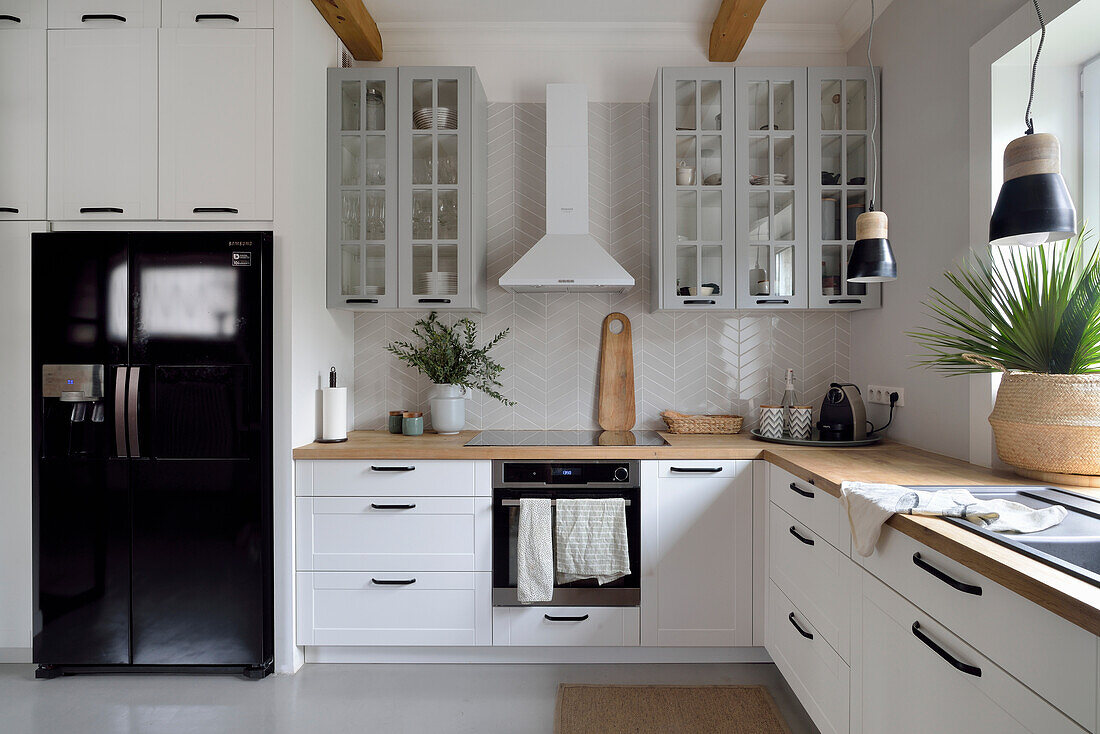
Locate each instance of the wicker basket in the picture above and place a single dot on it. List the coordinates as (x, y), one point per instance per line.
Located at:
(680, 423)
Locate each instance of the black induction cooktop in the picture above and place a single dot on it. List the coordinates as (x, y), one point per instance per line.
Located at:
(567, 438)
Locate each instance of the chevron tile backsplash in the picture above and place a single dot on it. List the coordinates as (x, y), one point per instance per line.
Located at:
(690, 362)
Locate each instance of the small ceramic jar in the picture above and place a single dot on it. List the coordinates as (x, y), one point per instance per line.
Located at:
(395, 420)
(412, 424)
(771, 421)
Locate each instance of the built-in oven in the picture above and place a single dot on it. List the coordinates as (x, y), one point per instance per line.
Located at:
(514, 480)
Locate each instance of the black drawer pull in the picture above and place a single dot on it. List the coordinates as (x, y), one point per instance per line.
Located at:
(845, 300)
(957, 664)
(695, 469)
(801, 491)
(102, 16)
(393, 582)
(12, 18)
(391, 507)
(433, 300)
(360, 300)
(392, 468)
(953, 583)
(216, 16)
(9, 209)
(804, 633)
(100, 210)
(565, 619)
(214, 210)
(699, 302)
(795, 533)
(762, 301)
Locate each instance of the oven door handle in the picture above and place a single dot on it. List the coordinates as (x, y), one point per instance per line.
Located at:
(551, 618)
(515, 503)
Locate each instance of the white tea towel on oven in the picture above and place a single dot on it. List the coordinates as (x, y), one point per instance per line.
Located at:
(870, 505)
(591, 540)
(534, 552)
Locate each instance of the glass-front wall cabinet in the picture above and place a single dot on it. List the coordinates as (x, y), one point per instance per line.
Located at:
(771, 188)
(840, 153)
(696, 142)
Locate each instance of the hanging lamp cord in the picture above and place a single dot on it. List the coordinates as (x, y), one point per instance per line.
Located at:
(874, 113)
(1034, 67)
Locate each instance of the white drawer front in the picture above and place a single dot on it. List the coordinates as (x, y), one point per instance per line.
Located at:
(354, 609)
(567, 626)
(1050, 655)
(218, 13)
(814, 575)
(699, 468)
(394, 533)
(814, 671)
(396, 478)
(103, 13)
(811, 506)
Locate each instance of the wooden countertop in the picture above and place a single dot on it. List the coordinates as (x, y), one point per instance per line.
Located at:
(895, 463)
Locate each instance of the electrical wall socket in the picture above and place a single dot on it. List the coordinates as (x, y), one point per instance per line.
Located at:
(881, 395)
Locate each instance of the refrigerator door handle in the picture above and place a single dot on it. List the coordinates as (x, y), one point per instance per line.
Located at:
(132, 411)
(120, 409)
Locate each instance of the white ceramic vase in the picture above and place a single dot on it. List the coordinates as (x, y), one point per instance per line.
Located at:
(448, 409)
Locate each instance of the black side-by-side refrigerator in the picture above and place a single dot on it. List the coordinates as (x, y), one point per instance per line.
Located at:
(153, 470)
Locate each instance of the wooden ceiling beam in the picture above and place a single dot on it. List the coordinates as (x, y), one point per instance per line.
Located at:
(732, 27)
(354, 25)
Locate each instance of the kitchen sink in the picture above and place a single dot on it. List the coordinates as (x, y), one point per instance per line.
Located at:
(1072, 546)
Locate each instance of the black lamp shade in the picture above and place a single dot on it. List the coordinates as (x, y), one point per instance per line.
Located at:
(872, 261)
(1035, 204)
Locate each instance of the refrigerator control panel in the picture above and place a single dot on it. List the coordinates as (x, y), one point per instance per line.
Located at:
(72, 382)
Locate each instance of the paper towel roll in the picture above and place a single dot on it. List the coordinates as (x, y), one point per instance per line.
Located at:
(334, 413)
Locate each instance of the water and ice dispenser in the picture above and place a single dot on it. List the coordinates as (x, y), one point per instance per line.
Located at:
(73, 410)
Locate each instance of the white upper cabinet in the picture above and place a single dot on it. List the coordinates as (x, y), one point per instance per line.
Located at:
(216, 106)
(103, 13)
(22, 14)
(102, 123)
(22, 122)
(218, 13)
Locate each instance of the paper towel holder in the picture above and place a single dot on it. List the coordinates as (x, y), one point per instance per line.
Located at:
(332, 386)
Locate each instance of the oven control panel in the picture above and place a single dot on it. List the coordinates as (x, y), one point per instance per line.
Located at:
(528, 473)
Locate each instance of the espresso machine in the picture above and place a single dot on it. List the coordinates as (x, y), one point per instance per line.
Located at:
(73, 411)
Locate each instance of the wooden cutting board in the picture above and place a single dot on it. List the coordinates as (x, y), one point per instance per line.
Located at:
(616, 376)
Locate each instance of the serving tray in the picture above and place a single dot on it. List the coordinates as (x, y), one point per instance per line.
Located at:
(817, 442)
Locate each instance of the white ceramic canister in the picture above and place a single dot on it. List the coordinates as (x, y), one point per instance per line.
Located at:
(448, 409)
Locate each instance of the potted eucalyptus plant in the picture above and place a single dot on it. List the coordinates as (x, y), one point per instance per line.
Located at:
(450, 358)
(1034, 315)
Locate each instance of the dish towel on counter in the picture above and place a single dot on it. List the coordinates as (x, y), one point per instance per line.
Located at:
(591, 540)
(870, 505)
(534, 552)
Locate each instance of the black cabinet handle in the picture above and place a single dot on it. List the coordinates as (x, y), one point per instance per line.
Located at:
(565, 619)
(100, 210)
(102, 16)
(392, 468)
(360, 300)
(955, 662)
(216, 16)
(12, 18)
(695, 469)
(804, 633)
(9, 209)
(699, 302)
(391, 507)
(393, 582)
(214, 210)
(433, 300)
(953, 583)
(845, 300)
(801, 491)
(762, 301)
(795, 533)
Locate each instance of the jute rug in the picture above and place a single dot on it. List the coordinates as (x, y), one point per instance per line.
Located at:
(594, 709)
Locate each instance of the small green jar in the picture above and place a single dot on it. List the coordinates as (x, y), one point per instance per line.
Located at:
(412, 424)
(396, 419)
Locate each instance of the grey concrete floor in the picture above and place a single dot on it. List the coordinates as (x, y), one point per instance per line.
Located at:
(330, 699)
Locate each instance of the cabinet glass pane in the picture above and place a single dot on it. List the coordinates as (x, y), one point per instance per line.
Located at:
(830, 104)
(857, 160)
(783, 221)
(447, 218)
(760, 222)
(350, 215)
(376, 215)
(757, 100)
(758, 161)
(375, 281)
(351, 269)
(856, 118)
(710, 160)
(783, 268)
(446, 279)
(447, 159)
(852, 289)
(855, 204)
(711, 271)
(685, 105)
(783, 117)
(424, 284)
(423, 104)
(783, 169)
(830, 215)
(349, 105)
(422, 215)
(685, 160)
(686, 216)
(830, 160)
(374, 106)
(349, 160)
(710, 104)
(759, 277)
(447, 113)
(831, 267)
(687, 270)
(710, 214)
(376, 160)
(422, 159)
